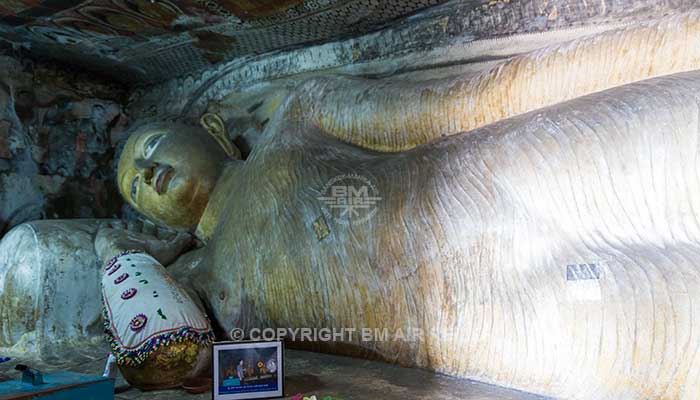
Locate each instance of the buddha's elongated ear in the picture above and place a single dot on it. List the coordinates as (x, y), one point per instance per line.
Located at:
(217, 129)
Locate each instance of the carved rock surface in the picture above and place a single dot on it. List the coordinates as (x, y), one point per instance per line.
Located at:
(58, 130)
(49, 286)
(555, 252)
(395, 115)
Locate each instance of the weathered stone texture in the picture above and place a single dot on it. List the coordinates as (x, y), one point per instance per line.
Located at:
(58, 131)
(49, 278)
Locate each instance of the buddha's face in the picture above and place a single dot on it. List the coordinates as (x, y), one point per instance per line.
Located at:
(167, 173)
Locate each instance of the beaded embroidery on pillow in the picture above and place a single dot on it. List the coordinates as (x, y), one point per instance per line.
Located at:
(129, 293)
(121, 278)
(113, 269)
(135, 322)
(138, 322)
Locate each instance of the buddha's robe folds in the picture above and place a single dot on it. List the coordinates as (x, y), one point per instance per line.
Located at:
(396, 114)
(555, 252)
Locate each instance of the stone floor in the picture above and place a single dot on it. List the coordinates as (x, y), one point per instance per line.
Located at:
(312, 373)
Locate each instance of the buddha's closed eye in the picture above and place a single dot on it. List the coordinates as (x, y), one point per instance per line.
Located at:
(134, 187)
(152, 144)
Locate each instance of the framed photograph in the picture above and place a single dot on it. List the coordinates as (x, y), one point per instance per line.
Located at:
(248, 370)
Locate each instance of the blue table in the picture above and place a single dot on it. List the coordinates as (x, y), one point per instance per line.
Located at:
(60, 386)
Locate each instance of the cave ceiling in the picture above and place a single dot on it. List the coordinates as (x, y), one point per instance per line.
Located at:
(147, 41)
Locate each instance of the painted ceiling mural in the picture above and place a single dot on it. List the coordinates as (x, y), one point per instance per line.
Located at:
(153, 40)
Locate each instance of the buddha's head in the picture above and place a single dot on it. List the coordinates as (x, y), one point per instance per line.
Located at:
(167, 172)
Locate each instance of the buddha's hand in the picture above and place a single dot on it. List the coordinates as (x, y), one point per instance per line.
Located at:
(118, 236)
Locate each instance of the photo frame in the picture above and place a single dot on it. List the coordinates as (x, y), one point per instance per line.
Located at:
(248, 370)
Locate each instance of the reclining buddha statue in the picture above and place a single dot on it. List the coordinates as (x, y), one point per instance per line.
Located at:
(536, 222)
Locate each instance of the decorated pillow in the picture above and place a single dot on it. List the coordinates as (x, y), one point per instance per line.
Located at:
(145, 309)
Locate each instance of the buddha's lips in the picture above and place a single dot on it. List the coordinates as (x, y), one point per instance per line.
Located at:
(162, 178)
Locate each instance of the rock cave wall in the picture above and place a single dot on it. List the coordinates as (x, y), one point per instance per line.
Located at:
(58, 133)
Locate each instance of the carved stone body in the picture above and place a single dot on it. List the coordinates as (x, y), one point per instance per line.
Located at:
(554, 251)
(49, 286)
(471, 243)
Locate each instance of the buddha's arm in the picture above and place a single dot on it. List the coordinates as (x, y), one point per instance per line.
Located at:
(394, 115)
(117, 237)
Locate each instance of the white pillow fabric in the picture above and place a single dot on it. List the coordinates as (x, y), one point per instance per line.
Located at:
(145, 309)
